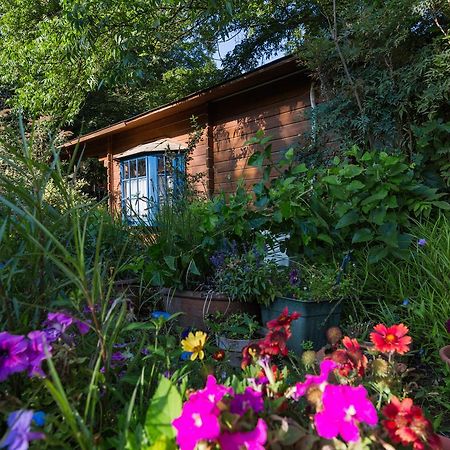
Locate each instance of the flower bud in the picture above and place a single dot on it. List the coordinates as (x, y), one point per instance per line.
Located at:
(334, 335)
(309, 358)
(380, 368)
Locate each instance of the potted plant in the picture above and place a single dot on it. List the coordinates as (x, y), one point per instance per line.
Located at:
(316, 292)
(233, 332)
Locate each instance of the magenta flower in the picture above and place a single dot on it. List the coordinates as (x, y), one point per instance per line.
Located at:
(344, 408)
(198, 422)
(250, 440)
(213, 391)
(13, 356)
(19, 433)
(36, 352)
(250, 399)
(326, 366)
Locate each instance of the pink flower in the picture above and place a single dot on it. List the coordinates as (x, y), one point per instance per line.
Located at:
(344, 408)
(198, 422)
(13, 355)
(37, 344)
(58, 323)
(250, 440)
(250, 399)
(326, 366)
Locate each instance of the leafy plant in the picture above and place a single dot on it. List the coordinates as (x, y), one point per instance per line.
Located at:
(233, 326)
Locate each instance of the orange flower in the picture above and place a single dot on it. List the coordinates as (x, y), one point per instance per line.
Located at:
(392, 339)
(406, 425)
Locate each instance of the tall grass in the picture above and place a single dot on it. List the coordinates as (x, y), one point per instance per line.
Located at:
(416, 290)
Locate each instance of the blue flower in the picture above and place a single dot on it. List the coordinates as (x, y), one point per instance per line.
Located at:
(185, 332)
(185, 356)
(39, 418)
(405, 302)
(19, 432)
(158, 314)
(422, 242)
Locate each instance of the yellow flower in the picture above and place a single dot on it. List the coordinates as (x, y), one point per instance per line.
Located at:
(194, 344)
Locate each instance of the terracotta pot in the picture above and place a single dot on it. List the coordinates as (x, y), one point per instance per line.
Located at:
(444, 353)
(197, 305)
(445, 441)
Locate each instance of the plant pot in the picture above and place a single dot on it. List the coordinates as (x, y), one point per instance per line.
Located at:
(195, 306)
(233, 348)
(315, 318)
(445, 442)
(444, 353)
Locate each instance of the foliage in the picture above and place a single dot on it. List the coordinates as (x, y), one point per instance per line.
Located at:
(364, 199)
(247, 277)
(319, 282)
(233, 326)
(55, 54)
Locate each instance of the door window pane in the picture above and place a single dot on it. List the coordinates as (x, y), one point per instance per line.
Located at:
(142, 167)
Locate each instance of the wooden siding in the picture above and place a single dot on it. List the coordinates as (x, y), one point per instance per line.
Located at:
(280, 108)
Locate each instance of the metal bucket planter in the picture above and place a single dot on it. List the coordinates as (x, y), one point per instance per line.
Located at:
(195, 306)
(315, 319)
(233, 348)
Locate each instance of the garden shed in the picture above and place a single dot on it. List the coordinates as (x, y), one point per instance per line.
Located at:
(274, 97)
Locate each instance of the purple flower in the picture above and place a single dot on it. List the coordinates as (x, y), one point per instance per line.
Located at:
(250, 399)
(294, 277)
(57, 324)
(218, 259)
(250, 440)
(13, 354)
(422, 242)
(37, 345)
(344, 408)
(447, 325)
(19, 433)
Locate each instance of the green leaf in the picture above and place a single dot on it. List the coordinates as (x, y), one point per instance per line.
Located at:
(301, 168)
(378, 215)
(442, 205)
(325, 238)
(350, 218)
(165, 406)
(289, 155)
(256, 160)
(354, 186)
(170, 261)
(193, 268)
(331, 179)
(377, 253)
(362, 235)
(379, 195)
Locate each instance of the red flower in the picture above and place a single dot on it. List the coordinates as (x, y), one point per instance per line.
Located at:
(284, 320)
(351, 358)
(392, 339)
(219, 355)
(406, 425)
(275, 342)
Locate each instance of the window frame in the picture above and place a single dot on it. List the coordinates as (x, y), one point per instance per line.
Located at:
(152, 188)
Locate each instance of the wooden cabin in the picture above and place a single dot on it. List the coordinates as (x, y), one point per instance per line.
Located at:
(144, 154)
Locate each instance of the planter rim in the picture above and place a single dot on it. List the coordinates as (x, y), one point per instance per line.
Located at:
(300, 300)
(221, 336)
(201, 295)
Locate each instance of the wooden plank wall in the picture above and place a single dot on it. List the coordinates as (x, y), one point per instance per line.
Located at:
(280, 108)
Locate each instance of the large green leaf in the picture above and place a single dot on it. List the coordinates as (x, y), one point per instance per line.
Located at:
(350, 218)
(362, 235)
(377, 253)
(165, 406)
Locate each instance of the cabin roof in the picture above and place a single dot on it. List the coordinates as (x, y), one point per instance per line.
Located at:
(265, 74)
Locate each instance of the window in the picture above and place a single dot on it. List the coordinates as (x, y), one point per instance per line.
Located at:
(148, 181)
